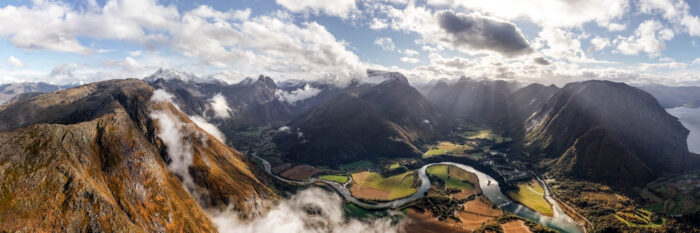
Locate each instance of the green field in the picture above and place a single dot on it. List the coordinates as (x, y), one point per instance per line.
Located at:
(485, 134)
(372, 186)
(362, 164)
(639, 218)
(454, 177)
(444, 148)
(394, 166)
(532, 195)
(337, 178)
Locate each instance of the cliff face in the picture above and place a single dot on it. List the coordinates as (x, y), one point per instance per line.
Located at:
(609, 131)
(102, 157)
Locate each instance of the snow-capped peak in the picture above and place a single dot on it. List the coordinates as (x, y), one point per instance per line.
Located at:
(170, 74)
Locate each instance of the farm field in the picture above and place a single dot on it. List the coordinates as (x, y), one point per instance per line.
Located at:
(485, 134)
(517, 226)
(447, 148)
(337, 178)
(299, 172)
(639, 218)
(531, 194)
(372, 186)
(457, 178)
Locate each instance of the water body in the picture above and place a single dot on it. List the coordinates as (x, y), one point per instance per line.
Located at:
(690, 118)
(489, 187)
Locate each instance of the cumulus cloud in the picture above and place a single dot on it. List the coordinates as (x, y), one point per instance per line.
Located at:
(385, 43)
(479, 32)
(271, 43)
(411, 60)
(15, 62)
(339, 8)
(675, 11)
(649, 38)
(542, 61)
(312, 210)
(548, 13)
(297, 95)
(220, 106)
(56, 26)
(410, 52)
(378, 24)
(599, 43)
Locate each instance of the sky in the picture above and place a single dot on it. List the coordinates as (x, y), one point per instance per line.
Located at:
(543, 41)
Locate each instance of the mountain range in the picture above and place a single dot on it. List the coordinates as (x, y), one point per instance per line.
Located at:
(126, 155)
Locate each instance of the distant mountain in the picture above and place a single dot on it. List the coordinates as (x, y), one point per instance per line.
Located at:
(609, 132)
(365, 121)
(480, 101)
(172, 74)
(113, 156)
(525, 103)
(671, 97)
(248, 103)
(10, 90)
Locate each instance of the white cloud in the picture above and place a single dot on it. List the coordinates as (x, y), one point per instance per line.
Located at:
(292, 215)
(56, 26)
(210, 128)
(410, 52)
(649, 37)
(599, 43)
(15, 61)
(378, 24)
(135, 53)
(220, 106)
(675, 11)
(271, 44)
(178, 147)
(666, 65)
(339, 8)
(411, 60)
(160, 95)
(560, 44)
(385, 43)
(297, 95)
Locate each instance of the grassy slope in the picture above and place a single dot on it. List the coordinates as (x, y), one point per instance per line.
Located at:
(455, 178)
(532, 195)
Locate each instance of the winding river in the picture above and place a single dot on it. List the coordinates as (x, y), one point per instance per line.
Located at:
(489, 186)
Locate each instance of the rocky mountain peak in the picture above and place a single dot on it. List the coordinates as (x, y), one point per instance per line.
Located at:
(171, 74)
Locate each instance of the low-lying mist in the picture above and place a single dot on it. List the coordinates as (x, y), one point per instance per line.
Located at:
(312, 210)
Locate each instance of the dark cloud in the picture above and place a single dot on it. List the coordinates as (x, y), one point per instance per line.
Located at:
(483, 33)
(542, 61)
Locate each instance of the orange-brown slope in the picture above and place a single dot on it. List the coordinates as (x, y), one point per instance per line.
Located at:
(90, 159)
